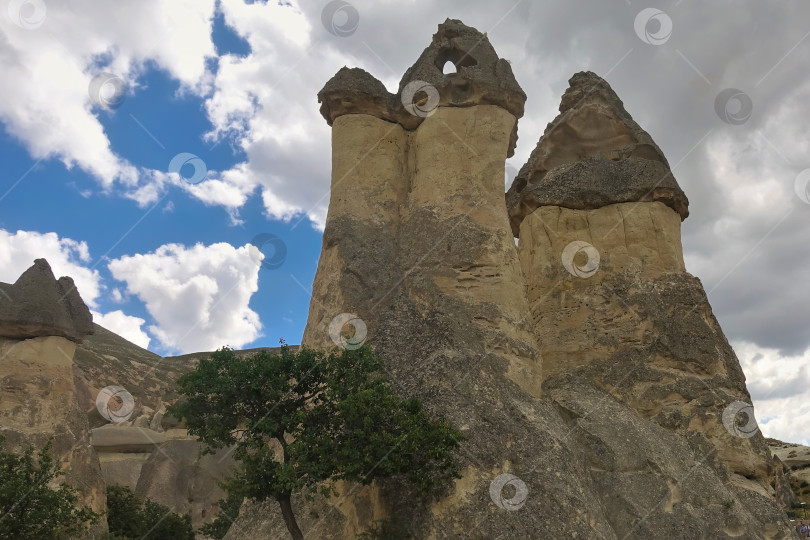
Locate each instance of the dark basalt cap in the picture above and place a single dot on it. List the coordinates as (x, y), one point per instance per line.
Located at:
(38, 305)
(592, 155)
(481, 78)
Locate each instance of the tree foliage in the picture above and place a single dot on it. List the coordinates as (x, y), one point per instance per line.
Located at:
(228, 512)
(301, 421)
(29, 506)
(129, 518)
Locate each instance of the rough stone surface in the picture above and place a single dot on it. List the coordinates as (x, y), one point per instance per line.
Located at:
(122, 469)
(38, 401)
(38, 305)
(116, 438)
(106, 359)
(784, 495)
(628, 444)
(481, 78)
(574, 317)
(593, 154)
(179, 476)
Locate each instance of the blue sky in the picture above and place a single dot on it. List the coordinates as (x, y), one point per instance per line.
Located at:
(148, 129)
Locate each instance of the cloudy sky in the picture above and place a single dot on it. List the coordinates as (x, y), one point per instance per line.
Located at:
(146, 144)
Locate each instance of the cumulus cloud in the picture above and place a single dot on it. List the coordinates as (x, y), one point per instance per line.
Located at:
(198, 296)
(66, 256)
(47, 72)
(126, 326)
(780, 389)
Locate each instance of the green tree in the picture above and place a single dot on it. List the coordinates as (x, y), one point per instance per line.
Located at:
(124, 515)
(129, 518)
(301, 421)
(228, 511)
(29, 506)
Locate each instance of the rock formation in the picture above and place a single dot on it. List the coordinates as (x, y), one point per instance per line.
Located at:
(623, 430)
(41, 322)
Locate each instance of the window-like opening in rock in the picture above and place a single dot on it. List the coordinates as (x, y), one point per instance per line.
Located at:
(456, 57)
(449, 68)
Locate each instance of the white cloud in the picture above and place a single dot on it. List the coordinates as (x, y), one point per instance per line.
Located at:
(47, 71)
(267, 102)
(780, 389)
(67, 257)
(198, 296)
(126, 326)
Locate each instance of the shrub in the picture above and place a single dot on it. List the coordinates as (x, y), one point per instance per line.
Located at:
(129, 518)
(29, 507)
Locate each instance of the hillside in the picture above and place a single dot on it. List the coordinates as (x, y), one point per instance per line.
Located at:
(105, 359)
(796, 458)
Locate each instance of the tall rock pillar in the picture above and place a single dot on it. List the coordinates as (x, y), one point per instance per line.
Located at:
(597, 212)
(41, 320)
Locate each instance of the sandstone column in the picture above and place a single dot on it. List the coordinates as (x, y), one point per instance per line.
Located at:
(598, 213)
(417, 244)
(41, 320)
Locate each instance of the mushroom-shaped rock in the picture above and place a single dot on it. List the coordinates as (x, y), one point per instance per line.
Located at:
(592, 155)
(38, 305)
(356, 91)
(481, 78)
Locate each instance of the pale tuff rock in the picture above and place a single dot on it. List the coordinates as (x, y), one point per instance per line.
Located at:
(178, 475)
(41, 320)
(39, 305)
(611, 300)
(38, 401)
(482, 78)
(622, 441)
(593, 154)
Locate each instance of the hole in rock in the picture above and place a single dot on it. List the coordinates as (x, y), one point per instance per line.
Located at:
(449, 68)
(458, 58)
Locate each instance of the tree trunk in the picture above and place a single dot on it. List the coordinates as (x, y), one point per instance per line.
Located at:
(289, 518)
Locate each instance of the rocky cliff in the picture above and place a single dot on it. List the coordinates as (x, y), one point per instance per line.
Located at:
(41, 322)
(633, 424)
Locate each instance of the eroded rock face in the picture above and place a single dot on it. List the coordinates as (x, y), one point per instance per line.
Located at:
(418, 245)
(39, 305)
(38, 401)
(41, 320)
(593, 154)
(178, 475)
(575, 315)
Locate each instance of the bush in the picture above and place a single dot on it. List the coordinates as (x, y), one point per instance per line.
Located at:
(129, 518)
(29, 507)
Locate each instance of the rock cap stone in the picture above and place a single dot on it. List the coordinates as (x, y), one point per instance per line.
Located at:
(481, 78)
(592, 155)
(38, 304)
